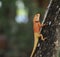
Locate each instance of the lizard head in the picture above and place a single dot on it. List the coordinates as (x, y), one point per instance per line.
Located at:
(36, 17)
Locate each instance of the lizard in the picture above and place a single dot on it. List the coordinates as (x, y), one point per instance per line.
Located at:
(37, 33)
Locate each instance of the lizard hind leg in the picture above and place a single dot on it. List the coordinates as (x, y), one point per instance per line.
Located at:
(35, 45)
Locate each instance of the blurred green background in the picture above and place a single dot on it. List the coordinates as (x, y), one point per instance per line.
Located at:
(16, 27)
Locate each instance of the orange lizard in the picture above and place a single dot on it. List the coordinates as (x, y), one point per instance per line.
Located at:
(36, 27)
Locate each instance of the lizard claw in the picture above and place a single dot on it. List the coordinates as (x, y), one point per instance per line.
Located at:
(44, 39)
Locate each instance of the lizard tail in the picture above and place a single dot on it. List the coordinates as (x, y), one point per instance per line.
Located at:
(35, 45)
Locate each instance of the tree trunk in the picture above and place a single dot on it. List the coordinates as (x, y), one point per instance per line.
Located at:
(50, 48)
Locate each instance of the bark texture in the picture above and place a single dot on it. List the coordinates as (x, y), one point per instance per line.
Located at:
(50, 47)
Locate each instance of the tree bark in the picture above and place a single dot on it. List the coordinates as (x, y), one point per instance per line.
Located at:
(50, 47)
